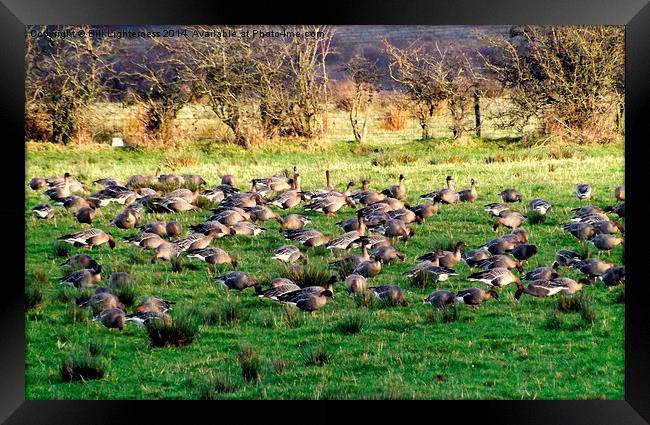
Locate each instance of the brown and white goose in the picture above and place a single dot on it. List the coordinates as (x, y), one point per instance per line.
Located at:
(497, 277)
(90, 237)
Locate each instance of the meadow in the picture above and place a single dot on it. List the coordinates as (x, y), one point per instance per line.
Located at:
(526, 349)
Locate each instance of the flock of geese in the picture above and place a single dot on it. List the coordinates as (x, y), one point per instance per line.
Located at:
(383, 220)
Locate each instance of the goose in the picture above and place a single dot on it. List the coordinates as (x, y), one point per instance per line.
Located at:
(293, 222)
(305, 292)
(350, 239)
(216, 228)
(368, 268)
(311, 302)
(542, 288)
(583, 191)
(445, 196)
(373, 241)
(128, 218)
(613, 276)
(239, 281)
(59, 188)
(586, 210)
(608, 226)
(261, 213)
(469, 195)
(397, 191)
(606, 242)
(329, 204)
(37, 183)
(394, 228)
(569, 285)
(212, 256)
(474, 297)
(103, 301)
(441, 299)
(566, 258)
(229, 217)
(352, 260)
(89, 237)
(145, 240)
(74, 202)
(194, 241)
(475, 257)
(389, 293)
(592, 267)
(524, 251)
(85, 215)
(171, 179)
(166, 251)
(194, 179)
(618, 209)
(539, 206)
(175, 205)
(496, 209)
(229, 179)
(108, 181)
(351, 224)
(292, 197)
(510, 195)
(619, 193)
(302, 235)
(438, 273)
(500, 261)
(590, 218)
(274, 183)
(406, 215)
(502, 245)
(172, 229)
(83, 278)
(43, 211)
(366, 196)
(375, 219)
(497, 277)
(154, 305)
(321, 192)
(120, 279)
(541, 273)
(425, 210)
(247, 229)
(242, 200)
(509, 219)
(288, 254)
(143, 319)
(280, 289)
(581, 231)
(183, 193)
(139, 180)
(356, 284)
(112, 318)
(387, 253)
(447, 258)
(420, 267)
(80, 261)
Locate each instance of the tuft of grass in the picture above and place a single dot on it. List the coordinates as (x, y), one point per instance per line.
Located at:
(292, 318)
(33, 297)
(230, 313)
(345, 270)
(352, 324)
(251, 367)
(181, 160)
(62, 249)
(82, 368)
(94, 348)
(76, 314)
(386, 160)
(533, 217)
(553, 321)
(422, 280)
(316, 356)
(212, 389)
(307, 275)
(177, 264)
(365, 299)
(204, 203)
(588, 312)
(442, 315)
(279, 364)
(619, 295)
(39, 277)
(126, 294)
(174, 331)
(574, 303)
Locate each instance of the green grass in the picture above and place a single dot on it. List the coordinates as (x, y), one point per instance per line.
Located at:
(503, 350)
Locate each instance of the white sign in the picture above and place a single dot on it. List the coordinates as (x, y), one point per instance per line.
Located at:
(118, 142)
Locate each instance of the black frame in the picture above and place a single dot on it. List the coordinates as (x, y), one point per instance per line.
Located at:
(634, 14)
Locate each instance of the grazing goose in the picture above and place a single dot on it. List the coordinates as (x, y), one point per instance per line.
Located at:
(546, 288)
(230, 217)
(85, 215)
(581, 231)
(500, 261)
(194, 179)
(80, 261)
(497, 277)
(154, 305)
(145, 240)
(475, 257)
(394, 228)
(273, 183)
(242, 200)
(128, 218)
(608, 226)
(175, 205)
(592, 267)
(619, 193)
(229, 179)
(37, 183)
(74, 202)
(524, 251)
(288, 254)
(194, 241)
(437, 273)
(216, 228)
(368, 268)
(509, 219)
(350, 239)
(352, 260)
(43, 211)
(292, 197)
(212, 256)
(397, 191)
(356, 284)
(441, 299)
(172, 229)
(280, 289)
(60, 189)
(83, 278)
(329, 204)
(425, 211)
(387, 253)
(89, 237)
(606, 242)
(420, 267)
(539, 206)
(171, 179)
(302, 235)
(583, 191)
(586, 210)
(108, 181)
(247, 229)
(239, 281)
(406, 215)
(618, 209)
(366, 196)
(351, 224)
(469, 195)
(447, 258)
(261, 213)
(183, 193)
(496, 209)
(103, 301)
(293, 222)
(390, 293)
(510, 195)
(502, 245)
(474, 297)
(373, 241)
(613, 276)
(445, 196)
(591, 218)
(311, 302)
(120, 279)
(112, 318)
(166, 251)
(139, 180)
(541, 273)
(566, 258)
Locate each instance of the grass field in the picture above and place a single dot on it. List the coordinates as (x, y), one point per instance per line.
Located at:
(504, 350)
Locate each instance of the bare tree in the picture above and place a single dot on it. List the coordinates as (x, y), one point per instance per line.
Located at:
(569, 78)
(355, 95)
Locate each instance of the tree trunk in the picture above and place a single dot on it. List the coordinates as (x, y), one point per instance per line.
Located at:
(477, 112)
(425, 130)
(62, 124)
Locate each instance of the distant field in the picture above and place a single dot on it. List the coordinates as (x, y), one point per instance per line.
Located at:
(503, 350)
